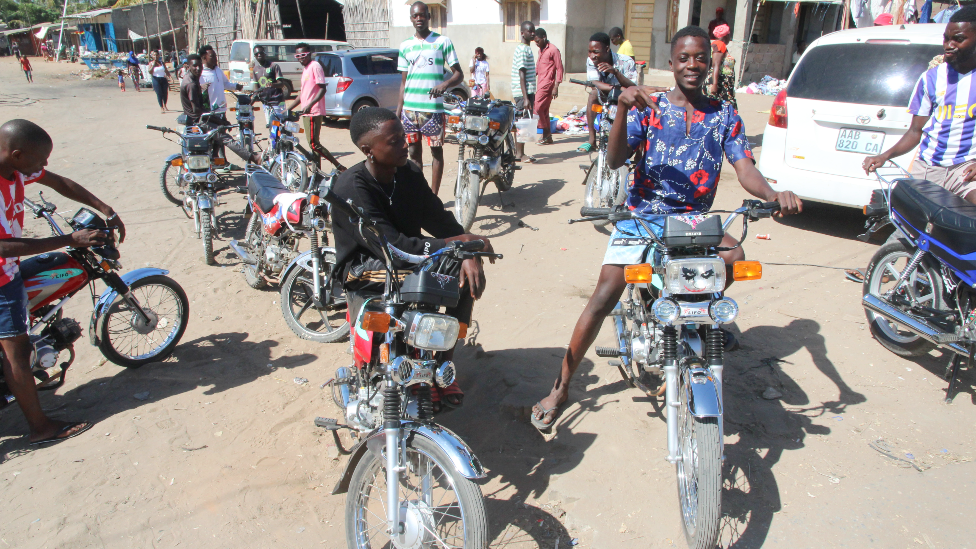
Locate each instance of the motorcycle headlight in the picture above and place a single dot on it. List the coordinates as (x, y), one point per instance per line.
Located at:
(476, 123)
(695, 275)
(723, 311)
(432, 332)
(198, 162)
(292, 127)
(666, 310)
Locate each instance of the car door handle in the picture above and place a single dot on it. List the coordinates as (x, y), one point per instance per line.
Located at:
(373, 82)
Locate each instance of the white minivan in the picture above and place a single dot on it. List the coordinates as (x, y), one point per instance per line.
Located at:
(278, 51)
(846, 99)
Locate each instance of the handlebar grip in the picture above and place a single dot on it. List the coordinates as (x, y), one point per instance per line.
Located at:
(594, 212)
(770, 206)
(580, 82)
(472, 246)
(157, 128)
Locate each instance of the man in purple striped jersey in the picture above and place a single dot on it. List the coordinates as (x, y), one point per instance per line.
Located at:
(944, 109)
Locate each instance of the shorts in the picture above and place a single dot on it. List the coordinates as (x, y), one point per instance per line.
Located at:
(521, 105)
(430, 125)
(13, 308)
(629, 242)
(952, 178)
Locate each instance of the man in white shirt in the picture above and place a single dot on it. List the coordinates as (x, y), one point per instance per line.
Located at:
(214, 82)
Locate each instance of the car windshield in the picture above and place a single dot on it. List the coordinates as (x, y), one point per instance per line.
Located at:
(867, 74)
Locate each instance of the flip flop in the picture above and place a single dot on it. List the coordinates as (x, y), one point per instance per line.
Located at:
(451, 390)
(855, 275)
(546, 141)
(584, 148)
(57, 437)
(538, 423)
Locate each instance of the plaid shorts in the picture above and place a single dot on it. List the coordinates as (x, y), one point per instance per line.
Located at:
(430, 125)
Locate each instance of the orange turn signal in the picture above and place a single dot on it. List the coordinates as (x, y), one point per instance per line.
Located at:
(219, 161)
(314, 199)
(637, 274)
(453, 119)
(597, 108)
(495, 125)
(375, 321)
(275, 123)
(301, 130)
(232, 109)
(746, 270)
(176, 162)
(462, 331)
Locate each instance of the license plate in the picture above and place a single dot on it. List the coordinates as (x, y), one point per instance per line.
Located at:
(693, 309)
(860, 141)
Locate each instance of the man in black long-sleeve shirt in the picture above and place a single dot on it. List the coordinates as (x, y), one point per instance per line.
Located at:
(394, 193)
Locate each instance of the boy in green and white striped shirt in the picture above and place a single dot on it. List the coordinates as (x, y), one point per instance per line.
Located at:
(423, 61)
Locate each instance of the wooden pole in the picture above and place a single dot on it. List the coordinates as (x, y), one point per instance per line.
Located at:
(176, 47)
(847, 11)
(300, 20)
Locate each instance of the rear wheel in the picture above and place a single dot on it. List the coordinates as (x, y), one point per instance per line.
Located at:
(252, 238)
(172, 184)
(466, 197)
(320, 324)
(206, 233)
(292, 172)
(362, 104)
(699, 473)
(128, 340)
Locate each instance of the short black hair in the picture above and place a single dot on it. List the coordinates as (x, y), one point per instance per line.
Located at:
(205, 48)
(258, 47)
(539, 31)
(616, 31)
(964, 15)
(303, 45)
(193, 57)
(692, 31)
(367, 120)
(527, 24)
(424, 4)
(601, 37)
(20, 134)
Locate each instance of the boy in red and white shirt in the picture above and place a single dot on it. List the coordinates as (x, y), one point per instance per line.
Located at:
(24, 149)
(25, 64)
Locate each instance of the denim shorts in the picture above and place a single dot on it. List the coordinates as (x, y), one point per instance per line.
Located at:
(630, 239)
(13, 308)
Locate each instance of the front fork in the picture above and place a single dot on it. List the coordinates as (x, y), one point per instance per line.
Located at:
(115, 282)
(714, 358)
(316, 268)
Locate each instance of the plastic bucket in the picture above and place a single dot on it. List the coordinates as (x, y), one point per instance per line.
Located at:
(525, 129)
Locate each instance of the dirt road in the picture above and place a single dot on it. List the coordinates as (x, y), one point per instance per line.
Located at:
(223, 453)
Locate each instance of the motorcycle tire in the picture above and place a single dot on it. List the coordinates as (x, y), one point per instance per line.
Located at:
(292, 172)
(878, 280)
(362, 503)
(700, 484)
(172, 189)
(253, 234)
(596, 197)
(296, 291)
(466, 197)
(119, 317)
(206, 233)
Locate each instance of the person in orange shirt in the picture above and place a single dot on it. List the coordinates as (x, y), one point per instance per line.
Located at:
(25, 64)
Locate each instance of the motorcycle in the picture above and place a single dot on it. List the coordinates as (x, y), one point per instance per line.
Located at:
(279, 221)
(918, 290)
(139, 318)
(386, 398)
(245, 110)
(189, 181)
(484, 126)
(285, 158)
(668, 329)
(605, 188)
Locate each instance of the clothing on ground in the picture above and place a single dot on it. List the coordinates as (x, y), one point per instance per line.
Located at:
(626, 48)
(549, 69)
(523, 59)
(622, 63)
(949, 99)
(401, 211)
(951, 178)
(12, 220)
(313, 80)
(678, 172)
(427, 63)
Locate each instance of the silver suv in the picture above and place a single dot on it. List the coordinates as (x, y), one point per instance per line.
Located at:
(366, 77)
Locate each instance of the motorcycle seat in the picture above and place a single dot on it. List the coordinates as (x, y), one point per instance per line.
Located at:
(941, 214)
(263, 187)
(35, 265)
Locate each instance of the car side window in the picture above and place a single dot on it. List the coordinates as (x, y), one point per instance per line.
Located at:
(361, 62)
(383, 64)
(331, 64)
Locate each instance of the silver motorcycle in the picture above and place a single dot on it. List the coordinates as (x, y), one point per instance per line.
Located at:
(668, 331)
(605, 187)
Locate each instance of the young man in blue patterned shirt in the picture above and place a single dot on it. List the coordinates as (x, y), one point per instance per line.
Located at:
(682, 136)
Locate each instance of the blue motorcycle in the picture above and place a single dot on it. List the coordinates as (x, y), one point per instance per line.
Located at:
(920, 287)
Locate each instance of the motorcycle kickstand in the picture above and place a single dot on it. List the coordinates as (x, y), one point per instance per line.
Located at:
(952, 372)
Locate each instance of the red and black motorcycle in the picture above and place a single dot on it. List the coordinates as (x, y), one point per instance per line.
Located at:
(139, 318)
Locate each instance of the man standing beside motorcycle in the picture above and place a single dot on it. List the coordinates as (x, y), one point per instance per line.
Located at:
(267, 74)
(24, 149)
(686, 135)
(214, 82)
(394, 193)
(311, 98)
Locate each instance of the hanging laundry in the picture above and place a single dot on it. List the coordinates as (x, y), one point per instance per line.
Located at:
(926, 15)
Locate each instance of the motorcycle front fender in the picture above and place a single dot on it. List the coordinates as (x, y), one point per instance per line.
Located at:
(109, 295)
(461, 456)
(204, 202)
(705, 393)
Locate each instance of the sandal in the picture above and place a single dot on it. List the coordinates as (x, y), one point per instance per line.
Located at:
(545, 141)
(60, 434)
(452, 390)
(527, 159)
(538, 422)
(584, 148)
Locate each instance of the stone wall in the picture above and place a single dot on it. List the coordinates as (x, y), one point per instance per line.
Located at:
(764, 59)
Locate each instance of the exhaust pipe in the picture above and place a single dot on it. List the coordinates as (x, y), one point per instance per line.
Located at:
(245, 257)
(915, 325)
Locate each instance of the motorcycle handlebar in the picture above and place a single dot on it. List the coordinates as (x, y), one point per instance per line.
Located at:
(158, 128)
(594, 212)
(345, 207)
(472, 246)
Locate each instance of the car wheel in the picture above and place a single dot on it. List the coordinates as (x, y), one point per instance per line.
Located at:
(362, 104)
(460, 92)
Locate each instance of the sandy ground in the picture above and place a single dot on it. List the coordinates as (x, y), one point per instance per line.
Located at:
(224, 453)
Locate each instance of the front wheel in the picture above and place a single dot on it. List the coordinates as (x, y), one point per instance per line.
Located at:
(699, 473)
(466, 197)
(923, 289)
(325, 324)
(206, 232)
(605, 188)
(172, 184)
(440, 508)
(253, 236)
(127, 339)
(292, 172)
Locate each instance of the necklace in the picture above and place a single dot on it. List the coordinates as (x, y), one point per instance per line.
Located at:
(390, 196)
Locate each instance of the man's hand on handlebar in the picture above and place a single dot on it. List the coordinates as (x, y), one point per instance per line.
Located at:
(438, 90)
(789, 204)
(116, 222)
(86, 238)
(469, 237)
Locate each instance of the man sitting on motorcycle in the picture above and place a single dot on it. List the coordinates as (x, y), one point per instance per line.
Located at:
(24, 151)
(682, 136)
(394, 193)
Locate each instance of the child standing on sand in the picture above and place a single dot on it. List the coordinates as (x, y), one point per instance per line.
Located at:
(121, 74)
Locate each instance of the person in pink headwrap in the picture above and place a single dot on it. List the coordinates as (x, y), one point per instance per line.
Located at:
(721, 83)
